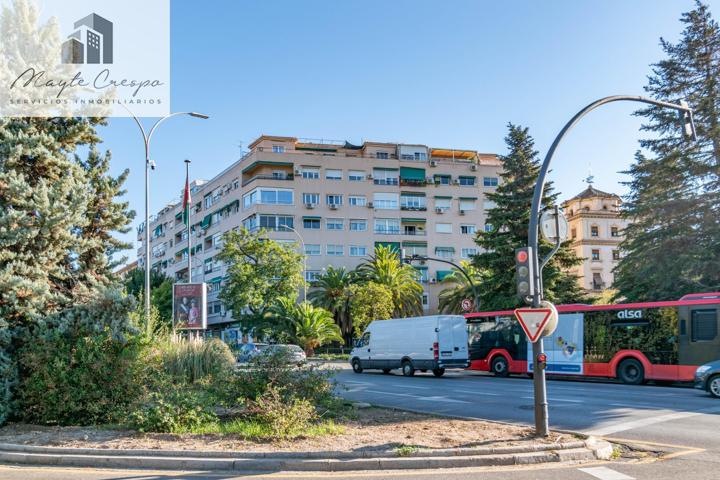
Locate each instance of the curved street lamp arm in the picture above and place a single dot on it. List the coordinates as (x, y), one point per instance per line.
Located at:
(459, 268)
(540, 185)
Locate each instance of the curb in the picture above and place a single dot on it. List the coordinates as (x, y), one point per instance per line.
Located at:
(590, 449)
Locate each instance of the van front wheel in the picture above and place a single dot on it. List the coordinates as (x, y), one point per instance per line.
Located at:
(408, 369)
(438, 372)
(357, 368)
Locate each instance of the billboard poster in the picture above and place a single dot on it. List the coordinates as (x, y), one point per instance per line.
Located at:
(564, 348)
(190, 306)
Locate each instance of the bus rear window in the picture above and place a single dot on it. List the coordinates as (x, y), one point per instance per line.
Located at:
(704, 325)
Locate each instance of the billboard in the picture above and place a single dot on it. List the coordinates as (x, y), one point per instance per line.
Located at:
(190, 306)
(564, 348)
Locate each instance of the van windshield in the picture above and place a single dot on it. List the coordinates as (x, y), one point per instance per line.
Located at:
(364, 340)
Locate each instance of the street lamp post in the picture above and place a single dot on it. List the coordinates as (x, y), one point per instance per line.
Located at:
(536, 292)
(476, 296)
(302, 243)
(149, 165)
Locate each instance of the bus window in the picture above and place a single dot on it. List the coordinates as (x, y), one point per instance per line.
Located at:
(704, 325)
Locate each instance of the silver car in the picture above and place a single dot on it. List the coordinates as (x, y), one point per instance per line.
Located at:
(295, 354)
(707, 377)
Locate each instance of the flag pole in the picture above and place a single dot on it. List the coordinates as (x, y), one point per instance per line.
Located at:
(187, 218)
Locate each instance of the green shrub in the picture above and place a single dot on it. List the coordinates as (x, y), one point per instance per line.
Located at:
(286, 417)
(82, 380)
(192, 360)
(175, 409)
(275, 370)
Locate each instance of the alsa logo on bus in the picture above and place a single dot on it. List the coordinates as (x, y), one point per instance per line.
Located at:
(629, 314)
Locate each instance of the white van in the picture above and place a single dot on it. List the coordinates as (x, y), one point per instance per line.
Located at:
(434, 343)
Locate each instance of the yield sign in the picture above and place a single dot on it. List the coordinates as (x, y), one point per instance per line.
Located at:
(533, 321)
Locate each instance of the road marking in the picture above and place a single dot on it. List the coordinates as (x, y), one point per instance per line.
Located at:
(557, 399)
(390, 393)
(644, 422)
(634, 405)
(477, 393)
(440, 399)
(411, 386)
(604, 473)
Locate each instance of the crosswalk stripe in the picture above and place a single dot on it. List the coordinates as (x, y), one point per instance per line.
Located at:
(604, 473)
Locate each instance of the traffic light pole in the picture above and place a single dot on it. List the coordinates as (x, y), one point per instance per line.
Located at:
(536, 292)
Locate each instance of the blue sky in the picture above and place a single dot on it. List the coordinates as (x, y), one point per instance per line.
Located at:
(446, 74)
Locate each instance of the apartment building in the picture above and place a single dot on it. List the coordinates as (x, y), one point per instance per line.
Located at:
(335, 200)
(596, 229)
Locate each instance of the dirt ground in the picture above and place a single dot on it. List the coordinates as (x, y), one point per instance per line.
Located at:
(371, 429)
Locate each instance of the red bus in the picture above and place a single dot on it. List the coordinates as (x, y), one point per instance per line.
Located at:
(633, 342)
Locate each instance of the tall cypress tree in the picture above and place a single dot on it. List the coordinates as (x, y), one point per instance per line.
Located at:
(509, 219)
(673, 245)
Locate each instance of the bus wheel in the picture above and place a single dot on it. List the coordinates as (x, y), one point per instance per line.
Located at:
(500, 366)
(407, 368)
(438, 372)
(713, 386)
(357, 368)
(631, 371)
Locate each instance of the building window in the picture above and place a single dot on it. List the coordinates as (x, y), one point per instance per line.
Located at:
(594, 231)
(383, 176)
(442, 179)
(268, 196)
(467, 204)
(356, 175)
(276, 222)
(385, 201)
(334, 224)
(410, 201)
(419, 250)
(596, 255)
(488, 228)
(333, 174)
(467, 252)
(333, 199)
(335, 250)
(358, 225)
(425, 298)
(358, 251)
(278, 149)
(614, 232)
(382, 155)
(312, 275)
(312, 249)
(573, 233)
(597, 282)
(386, 226)
(467, 181)
(443, 203)
(443, 227)
(444, 252)
(467, 229)
(311, 223)
(311, 198)
(616, 254)
(490, 181)
(421, 156)
(357, 200)
(311, 173)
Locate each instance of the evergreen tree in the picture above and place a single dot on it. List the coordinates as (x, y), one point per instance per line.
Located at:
(673, 245)
(509, 219)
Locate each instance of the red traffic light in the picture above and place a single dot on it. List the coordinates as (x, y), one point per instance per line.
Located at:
(522, 256)
(542, 358)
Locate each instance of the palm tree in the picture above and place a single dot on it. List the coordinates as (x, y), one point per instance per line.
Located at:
(331, 292)
(314, 326)
(458, 289)
(385, 268)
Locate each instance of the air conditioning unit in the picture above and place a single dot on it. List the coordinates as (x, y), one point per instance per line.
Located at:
(298, 171)
(433, 163)
(473, 167)
(439, 210)
(370, 205)
(433, 280)
(333, 206)
(369, 176)
(456, 181)
(430, 180)
(462, 212)
(310, 205)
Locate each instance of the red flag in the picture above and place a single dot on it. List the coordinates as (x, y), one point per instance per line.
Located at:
(186, 200)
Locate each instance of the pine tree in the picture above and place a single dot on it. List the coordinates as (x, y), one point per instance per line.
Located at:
(509, 219)
(673, 245)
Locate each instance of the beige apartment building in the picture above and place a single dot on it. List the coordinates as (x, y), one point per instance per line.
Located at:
(336, 201)
(596, 229)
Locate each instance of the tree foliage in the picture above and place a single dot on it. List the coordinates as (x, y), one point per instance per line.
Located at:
(457, 288)
(369, 301)
(672, 246)
(260, 272)
(331, 292)
(509, 219)
(308, 325)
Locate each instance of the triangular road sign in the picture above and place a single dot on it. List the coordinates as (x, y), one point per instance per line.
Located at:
(533, 321)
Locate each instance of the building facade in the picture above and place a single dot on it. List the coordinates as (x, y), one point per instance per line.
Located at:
(336, 201)
(596, 229)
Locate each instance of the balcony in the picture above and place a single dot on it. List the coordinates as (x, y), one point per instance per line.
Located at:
(414, 232)
(386, 181)
(413, 208)
(411, 182)
(387, 231)
(265, 176)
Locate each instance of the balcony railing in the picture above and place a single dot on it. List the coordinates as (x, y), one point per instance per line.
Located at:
(386, 181)
(387, 231)
(414, 208)
(289, 176)
(413, 183)
(415, 233)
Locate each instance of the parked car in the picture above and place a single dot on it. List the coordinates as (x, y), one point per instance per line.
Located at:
(296, 355)
(707, 377)
(249, 350)
(434, 343)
